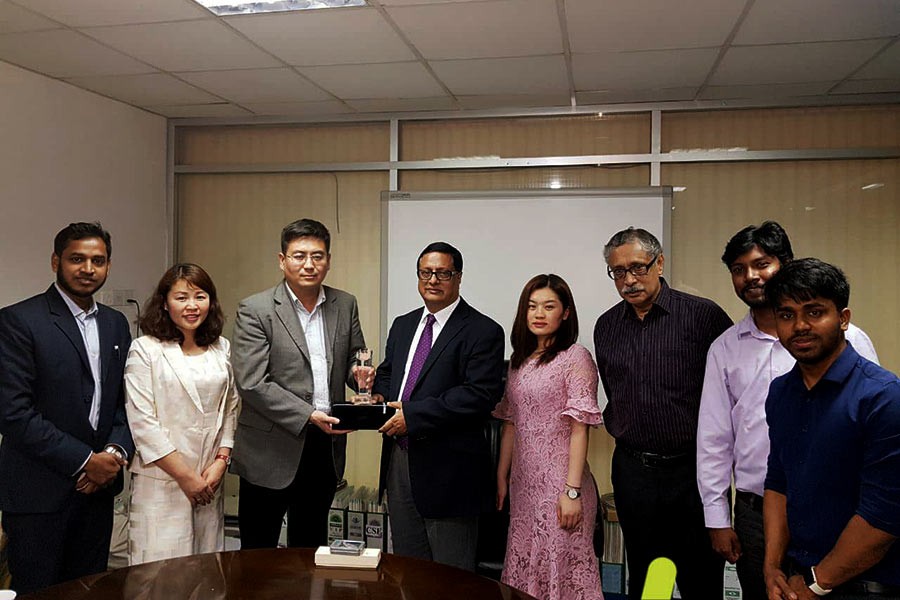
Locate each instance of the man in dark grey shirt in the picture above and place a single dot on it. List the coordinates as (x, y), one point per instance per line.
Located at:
(651, 353)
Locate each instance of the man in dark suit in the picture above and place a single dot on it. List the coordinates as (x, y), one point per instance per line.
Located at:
(62, 417)
(293, 355)
(442, 371)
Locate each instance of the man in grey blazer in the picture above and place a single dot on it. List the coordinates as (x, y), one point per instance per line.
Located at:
(293, 353)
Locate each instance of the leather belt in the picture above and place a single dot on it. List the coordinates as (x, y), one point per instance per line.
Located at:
(752, 500)
(657, 461)
(868, 588)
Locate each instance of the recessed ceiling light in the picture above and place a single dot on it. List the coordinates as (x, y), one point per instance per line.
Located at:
(555, 184)
(873, 186)
(224, 8)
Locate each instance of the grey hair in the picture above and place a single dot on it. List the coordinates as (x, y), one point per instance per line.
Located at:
(647, 241)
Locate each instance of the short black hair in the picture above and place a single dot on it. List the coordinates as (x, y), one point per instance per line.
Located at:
(770, 237)
(803, 279)
(443, 248)
(305, 228)
(80, 231)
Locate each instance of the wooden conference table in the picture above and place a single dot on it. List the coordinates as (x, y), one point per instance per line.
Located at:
(279, 574)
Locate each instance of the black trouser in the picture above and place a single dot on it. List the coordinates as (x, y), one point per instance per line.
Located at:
(49, 548)
(661, 514)
(306, 501)
(748, 525)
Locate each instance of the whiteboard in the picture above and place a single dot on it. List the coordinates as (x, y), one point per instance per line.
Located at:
(508, 237)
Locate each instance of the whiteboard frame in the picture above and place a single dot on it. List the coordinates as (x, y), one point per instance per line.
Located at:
(664, 193)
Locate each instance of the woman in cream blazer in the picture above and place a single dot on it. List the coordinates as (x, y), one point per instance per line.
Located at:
(182, 409)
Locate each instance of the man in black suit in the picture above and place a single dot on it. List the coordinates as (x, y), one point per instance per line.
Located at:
(62, 417)
(442, 371)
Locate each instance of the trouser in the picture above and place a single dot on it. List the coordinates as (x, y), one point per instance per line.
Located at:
(748, 525)
(661, 514)
(49, 548)
(450, 541)
(306, 501)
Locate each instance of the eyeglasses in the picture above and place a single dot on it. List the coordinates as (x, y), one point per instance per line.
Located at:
(301, 258)
(426, 275)
(636, 270)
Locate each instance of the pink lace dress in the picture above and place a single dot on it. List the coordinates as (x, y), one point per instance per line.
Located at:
(543, 559)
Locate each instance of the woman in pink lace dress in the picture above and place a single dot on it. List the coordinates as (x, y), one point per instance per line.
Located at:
(550, 400)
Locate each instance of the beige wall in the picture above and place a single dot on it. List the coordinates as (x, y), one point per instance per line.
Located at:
(70, 155)
(822, 204)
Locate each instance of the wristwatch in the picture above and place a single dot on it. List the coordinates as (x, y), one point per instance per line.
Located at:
(814, 587)
(224, 457)
(572, 493)
(115, 452)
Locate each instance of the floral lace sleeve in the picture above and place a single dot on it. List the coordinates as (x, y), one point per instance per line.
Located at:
(581, 387)
(504, 409)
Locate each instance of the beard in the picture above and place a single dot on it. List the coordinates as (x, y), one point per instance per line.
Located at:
(751, 300)
(69, 289)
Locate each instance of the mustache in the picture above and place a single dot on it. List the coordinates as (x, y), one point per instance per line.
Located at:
(752, 286)
(632, 288)
(803, 337)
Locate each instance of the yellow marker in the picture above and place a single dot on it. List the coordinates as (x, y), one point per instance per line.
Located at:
(660, 580)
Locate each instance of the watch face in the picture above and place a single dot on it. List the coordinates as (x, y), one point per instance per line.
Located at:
(573, 494)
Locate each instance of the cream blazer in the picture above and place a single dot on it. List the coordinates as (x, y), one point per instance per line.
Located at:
(164, 410)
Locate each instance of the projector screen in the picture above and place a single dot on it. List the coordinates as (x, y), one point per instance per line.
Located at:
(508, 237)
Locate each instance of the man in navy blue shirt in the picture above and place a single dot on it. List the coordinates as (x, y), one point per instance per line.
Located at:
(832, 497)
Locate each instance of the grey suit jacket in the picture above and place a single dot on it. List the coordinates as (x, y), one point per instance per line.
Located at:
(274, 377)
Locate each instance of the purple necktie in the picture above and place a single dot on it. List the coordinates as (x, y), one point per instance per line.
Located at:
(418, 361)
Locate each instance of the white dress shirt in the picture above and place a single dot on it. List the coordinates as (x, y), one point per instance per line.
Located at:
(440, 319)
(313, 324)
(732, 433)
(87, 326)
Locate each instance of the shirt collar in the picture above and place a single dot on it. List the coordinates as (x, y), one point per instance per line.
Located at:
(296, 301)
(663, 301)
(747, 326)
(77, 311)
(840, 369)
(443, 315)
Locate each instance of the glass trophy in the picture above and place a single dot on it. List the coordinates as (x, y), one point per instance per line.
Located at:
(364, 367)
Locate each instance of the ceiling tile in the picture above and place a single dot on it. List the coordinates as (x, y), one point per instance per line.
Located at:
(513, 101)
(780, 21)
(15, 19)
(402, 104)
(299, 109)
(185, 46)
(674, 94)
(66, 53)
(792, 63)
(633, 70)
(200, 110)
(325, 37)
(394, 80)
(615, 25)
(491, 76)
(257, 85)
(157, 89)
(868, 86)
(764, 91)
(885, 66)
(481, 29)
(84, 13)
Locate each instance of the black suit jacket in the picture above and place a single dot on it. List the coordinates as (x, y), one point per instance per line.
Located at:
(460, 383)
(46, 388)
